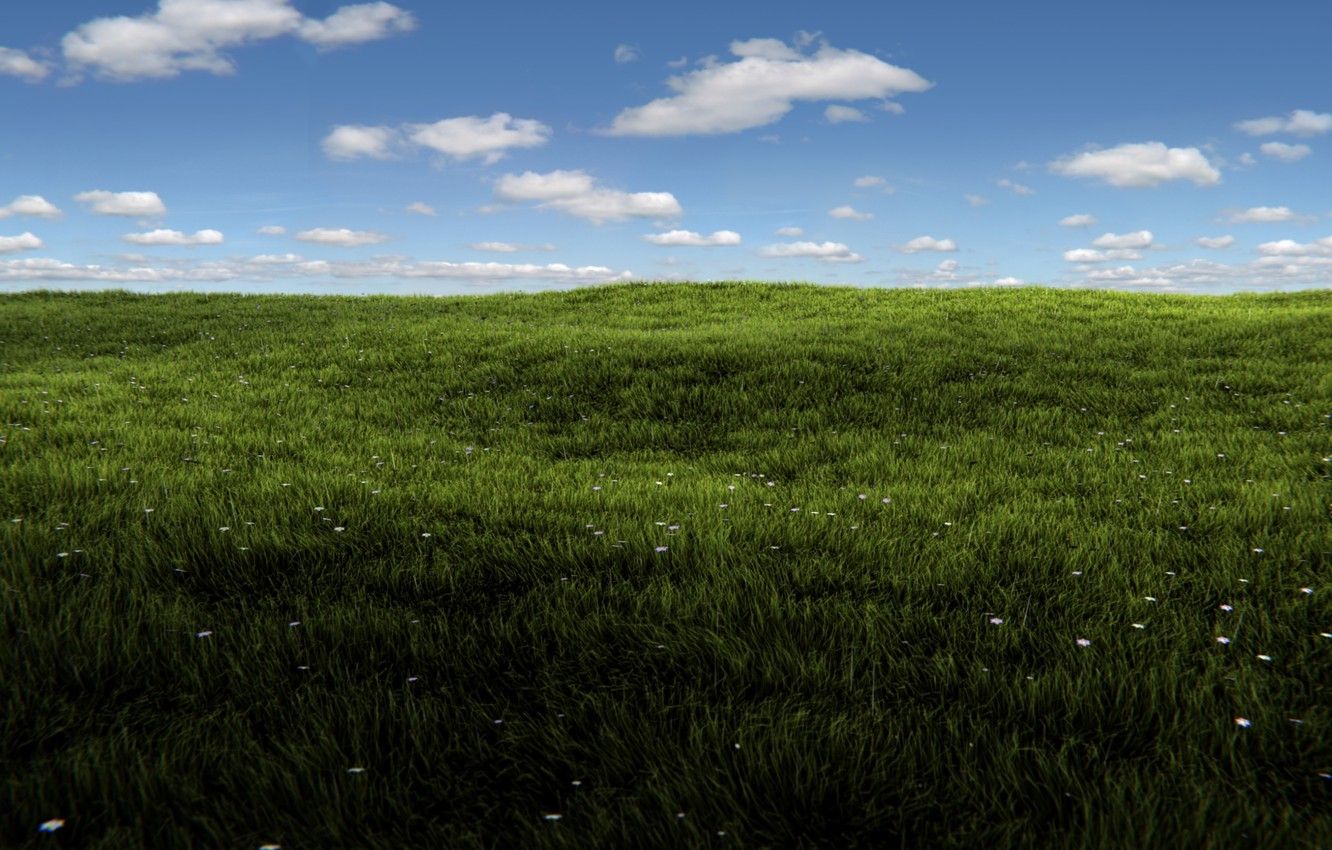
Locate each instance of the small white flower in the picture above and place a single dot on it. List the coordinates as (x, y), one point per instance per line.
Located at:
(356, 770)
(1307, 591)
(1222, 639)
(202, 634)
(1264, 658)
(1225, 607)
(339, 528)
(1083, 642)
(996, 621)
(1139, 625)
(1150, 598)
(1243, 722)
(553, 816)
(225, 528)
(661, 548)
(51, 825)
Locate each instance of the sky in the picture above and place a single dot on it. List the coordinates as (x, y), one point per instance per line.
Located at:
(466, 148)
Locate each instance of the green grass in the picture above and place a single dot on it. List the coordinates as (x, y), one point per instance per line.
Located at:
(827, 677)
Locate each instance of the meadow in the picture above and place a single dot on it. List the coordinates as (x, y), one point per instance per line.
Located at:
(648, 565)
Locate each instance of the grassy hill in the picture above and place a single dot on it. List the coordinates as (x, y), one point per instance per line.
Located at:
(724, 565)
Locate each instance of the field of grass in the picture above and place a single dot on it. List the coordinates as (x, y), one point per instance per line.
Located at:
(723, 565)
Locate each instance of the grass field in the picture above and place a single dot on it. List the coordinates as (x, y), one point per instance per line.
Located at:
(724, 565)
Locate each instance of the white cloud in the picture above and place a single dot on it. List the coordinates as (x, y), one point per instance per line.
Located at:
(473, 136)
(840, 114)
(292, 267)
(140, 204)
(761, 87)
(849, 212)
(892, 106)
(928, 243)
(1015, 188)
(352, 141)
(625, 53)
(1262, 214)
(16, 63)
(1246, 160)
(869, 181)
(174, 237)
(31, 205)
(1291, 248)
(421, 208)
(1078, 220)
(192, 35)
(1300, 122)
(1285, 152)
(1010, 281)
(688, 238)
(947, 266)
(22, 242)
(976, 200)
(276, 259)
(1091, 255)
(828, 252)
(1137, 239)
(357, 24)
(1215, 242)
(790, 232)
(509, 247)
(272, 230)
(341, 237)
(1139, 165)
(463, 138)
(576, 193)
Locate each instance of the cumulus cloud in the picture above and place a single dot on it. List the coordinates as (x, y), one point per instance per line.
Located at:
(292, 267)
(353, 141)
(1291, 248)
(356, 24)
(1215, 242)
(928, 243)
(1285, 152)
(1015, 188)
(272, 230)
(688, 238)
(341, 237)
(625, 53)
(1078, 220)
(30, 205)
(577, 193)
(140, 204)
(1009, 281)
(472, 136)
(840, 114)
(1140, 165)
(22, 242)
(1137, 239)
(761, 87)
(849, 212)
(870, 181)
(509, 247)
(463, 138)
(174, 237)
(976, 200)
(790, 232)
(1300, 122)
(1262, 215)
(17, 63)
(828, 252)
(421, 208)
(193, 35)
(1092, 255)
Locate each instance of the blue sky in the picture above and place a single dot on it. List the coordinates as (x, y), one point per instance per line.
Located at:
(469, 148)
